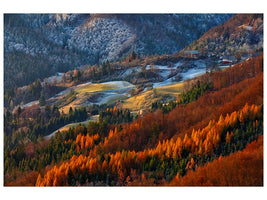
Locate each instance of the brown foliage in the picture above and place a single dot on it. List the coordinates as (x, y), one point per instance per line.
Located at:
(24, 179)
(196, 126)
(241, 71)
(121, 163)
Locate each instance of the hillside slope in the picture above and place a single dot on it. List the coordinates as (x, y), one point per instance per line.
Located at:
(242, 33)
(152, 149)
(39, 45)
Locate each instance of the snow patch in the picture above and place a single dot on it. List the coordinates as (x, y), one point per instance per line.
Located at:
(29, 104)
(56, 77)
(163, 83)
(192, 73)
(118, 84)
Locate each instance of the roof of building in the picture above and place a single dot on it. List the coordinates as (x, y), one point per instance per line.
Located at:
(192, 52)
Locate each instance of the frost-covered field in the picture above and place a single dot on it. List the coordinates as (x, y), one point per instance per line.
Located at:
(163, 83)
(98, 93)
(109, 92)
(192, 73)
(198, 68)
(29, 104)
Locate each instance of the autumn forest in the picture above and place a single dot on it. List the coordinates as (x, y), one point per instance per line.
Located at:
(174, 148)
(121, 130)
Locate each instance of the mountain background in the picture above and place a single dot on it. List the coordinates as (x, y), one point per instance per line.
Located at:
(208, 109)
(242, 33)
(39, 45)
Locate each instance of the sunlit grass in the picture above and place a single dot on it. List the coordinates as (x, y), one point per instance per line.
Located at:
(83, 91)
(95, 88)
(174, 89)
(140, 101)
(145, 99)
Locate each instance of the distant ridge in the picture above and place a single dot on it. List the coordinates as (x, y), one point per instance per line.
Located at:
(39, 45)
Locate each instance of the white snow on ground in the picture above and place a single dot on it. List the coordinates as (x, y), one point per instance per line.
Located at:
(108, 97)
(50, 135)
(63, 92)
(130, 70)
(122, 89)
(60, 94)
(200, 63)
(160, 67)
(163, 83)
(58, 77)
(164, 73)
(163, 70)
(180, 63)
(192, 73)
(118, 84)
(29, 104)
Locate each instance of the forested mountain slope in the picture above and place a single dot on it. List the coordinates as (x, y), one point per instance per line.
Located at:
(242, 33)
(157, 148)
(39, 45)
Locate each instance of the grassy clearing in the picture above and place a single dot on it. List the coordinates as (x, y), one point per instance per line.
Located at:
(113, 99)
(173, 90)
(85, 94)
(95, 88)
(140, 101)
(145, 99)
(70, 97)
(66, 108)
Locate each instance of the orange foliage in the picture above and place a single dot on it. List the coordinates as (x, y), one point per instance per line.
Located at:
(138, 135)
(201, 140)
(243, 168)
(206, 139)
(184, 127)
(228, 137)
(247, 69)
(85, 141)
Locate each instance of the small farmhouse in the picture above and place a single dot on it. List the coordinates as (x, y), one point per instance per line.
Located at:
(191, 53)
(225, 61)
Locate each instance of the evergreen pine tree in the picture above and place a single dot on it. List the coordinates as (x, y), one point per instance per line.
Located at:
(42, 101)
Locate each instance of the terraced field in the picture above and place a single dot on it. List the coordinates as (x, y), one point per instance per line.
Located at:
(110, 92)
(145, 99)
(98, 93)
